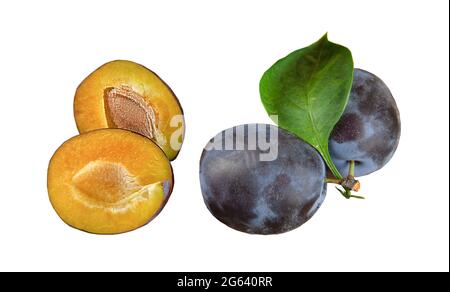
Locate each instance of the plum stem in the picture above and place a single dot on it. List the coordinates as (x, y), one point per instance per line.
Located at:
(333, 181)
(351, 168)
(349, 183)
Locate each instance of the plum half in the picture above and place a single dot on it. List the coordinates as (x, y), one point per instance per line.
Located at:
(126, 95)
(109, 181)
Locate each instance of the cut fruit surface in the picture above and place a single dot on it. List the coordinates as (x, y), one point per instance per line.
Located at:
(126, 95)
(109, 181)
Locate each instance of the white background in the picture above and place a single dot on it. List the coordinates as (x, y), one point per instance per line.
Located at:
(212, 54)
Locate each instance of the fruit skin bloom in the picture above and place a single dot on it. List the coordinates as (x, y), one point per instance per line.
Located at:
(369, 130)
(262, 197)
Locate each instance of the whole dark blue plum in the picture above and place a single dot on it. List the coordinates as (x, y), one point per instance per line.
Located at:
(260, 179)
(369, 130)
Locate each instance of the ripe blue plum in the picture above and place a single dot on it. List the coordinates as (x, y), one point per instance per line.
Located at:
(260, 179)
(369, 130)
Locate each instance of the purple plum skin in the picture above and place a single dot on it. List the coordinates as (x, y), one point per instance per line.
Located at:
(263, 197)
(369, 130)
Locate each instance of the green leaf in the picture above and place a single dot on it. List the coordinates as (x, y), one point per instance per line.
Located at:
(307, 92)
